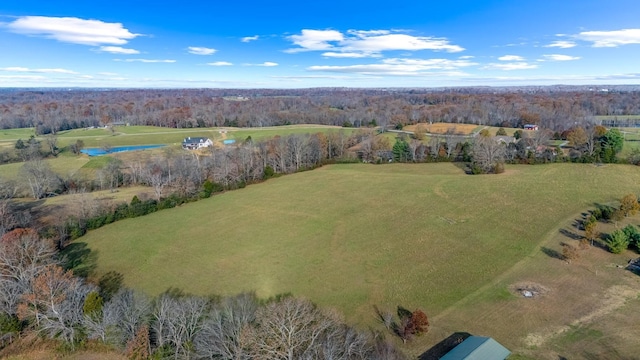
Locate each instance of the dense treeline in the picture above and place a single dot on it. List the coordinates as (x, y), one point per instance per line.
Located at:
(38, 294)
(52, 111)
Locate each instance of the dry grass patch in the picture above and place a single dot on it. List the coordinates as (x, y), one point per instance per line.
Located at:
(442, 128)
(571, 319)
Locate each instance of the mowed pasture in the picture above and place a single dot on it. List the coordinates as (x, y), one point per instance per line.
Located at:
(352, 236)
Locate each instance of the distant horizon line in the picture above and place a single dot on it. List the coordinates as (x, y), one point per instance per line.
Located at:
(600, 86)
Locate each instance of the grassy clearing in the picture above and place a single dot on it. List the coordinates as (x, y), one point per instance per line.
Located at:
(15, 134)
(63, 165)
(352, 236)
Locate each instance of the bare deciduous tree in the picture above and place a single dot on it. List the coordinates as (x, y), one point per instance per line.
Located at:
(224, 332)
(54, 303)
(487, 153)
(23, 256)
(40, 178)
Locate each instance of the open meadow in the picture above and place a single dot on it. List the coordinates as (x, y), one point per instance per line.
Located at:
(422, 236)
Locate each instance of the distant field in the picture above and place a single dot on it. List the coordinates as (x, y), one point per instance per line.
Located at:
(441, 128)
(14, 134)
(353, 236)
(63, 165)
(149, 135)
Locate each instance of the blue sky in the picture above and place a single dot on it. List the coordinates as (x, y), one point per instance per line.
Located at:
(298, 44)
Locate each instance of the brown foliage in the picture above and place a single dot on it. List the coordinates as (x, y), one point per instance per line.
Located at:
(15, 235)
(139, 347)
(420, 322)
(591, 231)
(570, 252)
(629, 205)
(48, 289)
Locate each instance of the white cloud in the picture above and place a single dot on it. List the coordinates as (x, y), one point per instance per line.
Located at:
(354, 55)
(378, 43)
(559, 57)
(365, 33)
(145, 60)
(250, 38)
(312, 40)
(27, 70)
(511, 58)
(118, 50)
(466, 57)
(563, 44)
(220, 63)
(265, 64)
(22, 77)
(196, 50)
(337, 77)
(611, 38)
(402, 67)
(72, 30)
(366, 43)
(511, 66)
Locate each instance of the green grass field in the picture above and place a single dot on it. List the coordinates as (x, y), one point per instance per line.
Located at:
(147, 135)
(351, 236)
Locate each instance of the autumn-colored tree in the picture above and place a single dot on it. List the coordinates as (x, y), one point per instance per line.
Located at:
(55, 303)
(591, 231)
(420, 132)
(420, 322)
(577, 137)
(139, 348)
(629, 205)
(23, 256)
(569, 252)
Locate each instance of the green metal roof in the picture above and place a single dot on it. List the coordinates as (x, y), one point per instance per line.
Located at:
(478, 348)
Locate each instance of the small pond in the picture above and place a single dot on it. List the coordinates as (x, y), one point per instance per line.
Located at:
(117, 149)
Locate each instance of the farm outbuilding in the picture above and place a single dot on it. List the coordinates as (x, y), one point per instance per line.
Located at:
(478, 348)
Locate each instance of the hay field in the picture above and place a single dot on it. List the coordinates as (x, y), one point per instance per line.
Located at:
(441, 128)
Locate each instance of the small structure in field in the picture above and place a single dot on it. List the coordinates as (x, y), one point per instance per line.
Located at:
(505, 139)
(194, 143)
(478, 348)
(530, 127)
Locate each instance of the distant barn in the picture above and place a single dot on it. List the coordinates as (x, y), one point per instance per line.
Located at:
(531, 127)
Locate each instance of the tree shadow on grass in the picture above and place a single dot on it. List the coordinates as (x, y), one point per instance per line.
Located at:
(570, 234)
(552, 253)
(444, 346)
(78, 258)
